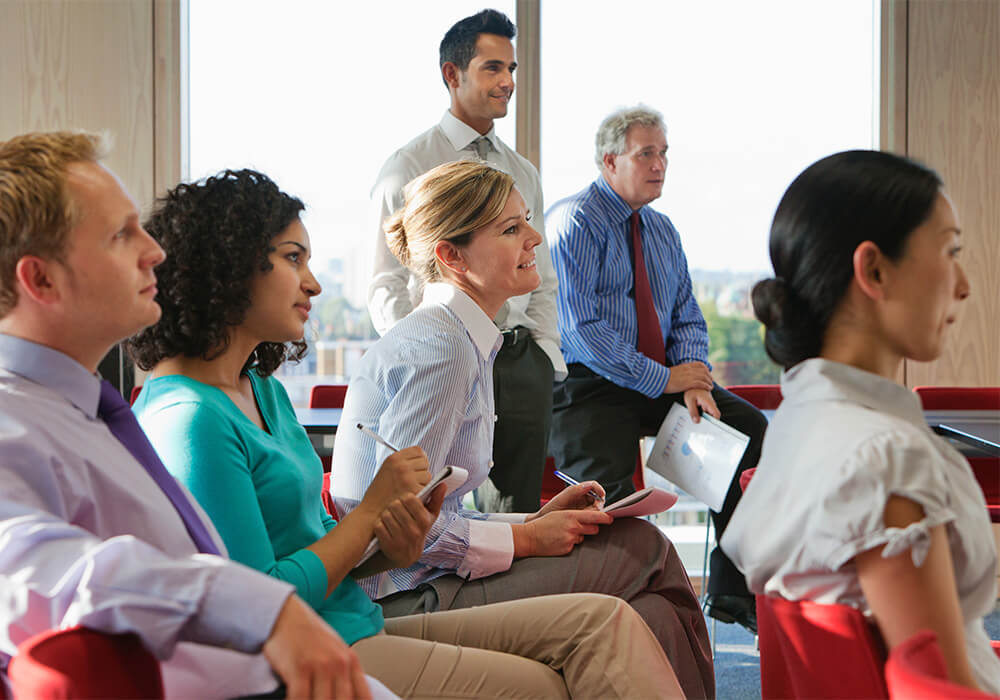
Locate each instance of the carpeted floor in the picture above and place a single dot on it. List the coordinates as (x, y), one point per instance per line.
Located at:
(737, 664)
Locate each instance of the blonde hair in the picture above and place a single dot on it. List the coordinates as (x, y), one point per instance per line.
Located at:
(448, 202)
(36, 211)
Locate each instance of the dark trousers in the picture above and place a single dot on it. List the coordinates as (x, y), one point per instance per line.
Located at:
(596, 426)
(522, 390)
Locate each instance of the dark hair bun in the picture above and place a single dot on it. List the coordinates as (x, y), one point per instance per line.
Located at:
(769, 297)
(792, 333)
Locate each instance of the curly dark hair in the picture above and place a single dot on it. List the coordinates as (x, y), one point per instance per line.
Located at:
(217, 235)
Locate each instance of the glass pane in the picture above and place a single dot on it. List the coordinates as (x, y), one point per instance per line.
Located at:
(318, 94)
(751, 93)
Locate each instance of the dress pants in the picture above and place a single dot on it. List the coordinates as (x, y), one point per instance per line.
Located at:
(522, 390)
(629, 559)
(596, 426)
(580, 646)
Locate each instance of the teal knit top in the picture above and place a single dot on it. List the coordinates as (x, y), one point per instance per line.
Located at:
(261, 489)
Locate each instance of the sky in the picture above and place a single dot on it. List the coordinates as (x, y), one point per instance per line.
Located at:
(752, 91)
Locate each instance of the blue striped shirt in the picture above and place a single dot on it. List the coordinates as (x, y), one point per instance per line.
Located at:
(591, 251)
(429, 382)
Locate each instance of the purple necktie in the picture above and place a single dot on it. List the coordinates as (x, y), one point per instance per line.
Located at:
(123, 425)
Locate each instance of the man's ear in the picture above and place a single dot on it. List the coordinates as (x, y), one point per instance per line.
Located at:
(35, 279)
(870, 270)
(609, 162)
(449, 257)
(450, 72)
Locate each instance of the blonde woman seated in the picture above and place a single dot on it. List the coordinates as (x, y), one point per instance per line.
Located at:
(864, 505)
(429, 382)
(235, 292)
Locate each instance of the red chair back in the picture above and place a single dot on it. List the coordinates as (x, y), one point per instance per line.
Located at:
(327, 396)
(987, 473)
(766, 397)
(134, 395)
(810, 650)
(327, 497)
(959, 398)
(78, 663)
(916, 669)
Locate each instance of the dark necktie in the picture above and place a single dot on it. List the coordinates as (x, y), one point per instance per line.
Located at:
(482, 147)
(122, 423)
(650, 336)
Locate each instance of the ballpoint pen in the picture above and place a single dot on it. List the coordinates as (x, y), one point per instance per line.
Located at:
(573, 482)
(375, 436)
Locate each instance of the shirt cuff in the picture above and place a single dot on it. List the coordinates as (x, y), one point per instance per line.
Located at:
(224, 617)
(654, 379)
(551, 349)
(491, 549)
(507, 517)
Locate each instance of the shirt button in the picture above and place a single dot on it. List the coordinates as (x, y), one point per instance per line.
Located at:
(490, 464)
(495, 418)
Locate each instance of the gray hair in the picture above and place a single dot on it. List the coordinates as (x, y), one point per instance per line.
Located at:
(612, 131)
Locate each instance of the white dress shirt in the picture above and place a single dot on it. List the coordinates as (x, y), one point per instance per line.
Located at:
(841, 443)
(87, 537)
(394, 291)
(429, 382)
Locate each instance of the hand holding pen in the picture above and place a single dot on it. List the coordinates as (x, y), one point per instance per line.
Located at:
(403, 472)
(573, 482)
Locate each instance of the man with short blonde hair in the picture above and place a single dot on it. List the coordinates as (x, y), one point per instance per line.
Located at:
(94, 532)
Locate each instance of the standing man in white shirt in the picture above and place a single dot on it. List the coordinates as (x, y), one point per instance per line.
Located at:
(477, 65)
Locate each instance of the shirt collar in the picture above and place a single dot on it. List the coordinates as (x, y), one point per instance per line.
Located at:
(52, 369)
(817, 379)
(484, 333)
(460, 134)
(613, 201)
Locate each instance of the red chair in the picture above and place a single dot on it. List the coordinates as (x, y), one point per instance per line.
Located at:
(916, 669)
(78, 663)
(953, 398)
(959, 398)
(327, 396)
(134, 395)
(327, 498)
(766, 397)
(810, 650)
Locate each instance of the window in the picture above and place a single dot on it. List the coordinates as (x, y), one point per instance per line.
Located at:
(317, 95)
(751, 93)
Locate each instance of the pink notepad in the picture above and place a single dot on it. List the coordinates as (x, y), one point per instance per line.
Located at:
(649, 501)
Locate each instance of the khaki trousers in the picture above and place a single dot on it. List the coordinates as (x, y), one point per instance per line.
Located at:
(629, 559)
(575, 645)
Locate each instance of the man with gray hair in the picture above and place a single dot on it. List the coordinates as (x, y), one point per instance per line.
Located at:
(633, 337)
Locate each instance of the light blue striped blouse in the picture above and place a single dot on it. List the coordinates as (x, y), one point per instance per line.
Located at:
(590, 243)
(429, 382)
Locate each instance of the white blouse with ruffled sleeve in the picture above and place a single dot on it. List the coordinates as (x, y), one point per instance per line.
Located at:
(841, 443)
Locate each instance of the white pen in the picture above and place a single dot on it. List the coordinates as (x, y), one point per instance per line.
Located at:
(573, 482)
(375, 436)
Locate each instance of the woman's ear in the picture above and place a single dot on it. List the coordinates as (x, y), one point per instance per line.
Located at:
(870, 270)
(449, 257)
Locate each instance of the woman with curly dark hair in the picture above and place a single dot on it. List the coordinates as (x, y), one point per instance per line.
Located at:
(235, 292)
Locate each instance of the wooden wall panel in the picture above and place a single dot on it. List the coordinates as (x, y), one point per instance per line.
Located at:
(82, 64)
(953, 124)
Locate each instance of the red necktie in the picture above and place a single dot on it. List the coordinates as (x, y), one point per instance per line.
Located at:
(650, 335)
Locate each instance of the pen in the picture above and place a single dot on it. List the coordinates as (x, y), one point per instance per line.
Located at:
(375, 436)
(573, 482)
